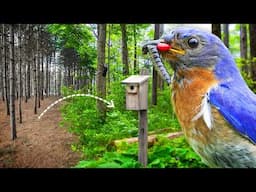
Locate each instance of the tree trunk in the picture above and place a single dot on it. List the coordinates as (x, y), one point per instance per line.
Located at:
(155, 78)
(55, 73)
(252, 29)
(12, 84)
(55, 80)
(29, 74)
(100, 78)
(47, 76)
(42, 77)
(124, 50)
(26, 62)
(20, 75)
(243, 47)
(1, 65)
(35, 82)
(6, 82)
(38, 67)
(216, 29)
(69, 76)
(109, 45)
(29, 61)
(160, 81)
(226, 35)
(59, 81)
(135, 67)
(74, 74)
(78, 79)
(25, 82)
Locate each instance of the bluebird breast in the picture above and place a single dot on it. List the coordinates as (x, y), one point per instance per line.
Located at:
(188, 92)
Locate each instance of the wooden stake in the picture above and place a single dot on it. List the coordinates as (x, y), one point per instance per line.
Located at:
(143, 137)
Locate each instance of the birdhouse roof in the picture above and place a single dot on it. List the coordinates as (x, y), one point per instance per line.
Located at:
(135, 79)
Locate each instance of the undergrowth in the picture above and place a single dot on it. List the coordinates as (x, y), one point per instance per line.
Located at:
(165, 153)
(96, 138)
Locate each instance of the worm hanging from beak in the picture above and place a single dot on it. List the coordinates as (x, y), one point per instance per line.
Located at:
(157, 62)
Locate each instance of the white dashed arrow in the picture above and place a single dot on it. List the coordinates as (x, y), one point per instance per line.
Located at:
(109, 104)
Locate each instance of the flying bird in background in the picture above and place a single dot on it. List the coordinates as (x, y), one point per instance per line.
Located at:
(213, 104)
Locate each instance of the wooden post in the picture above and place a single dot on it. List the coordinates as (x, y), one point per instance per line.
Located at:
(137, 99)
(143, 130)
(143, 137)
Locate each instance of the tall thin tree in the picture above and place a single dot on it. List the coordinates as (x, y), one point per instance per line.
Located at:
(48, 93)
(55, 73)
(20, 74)
(216, 29)
(243, 47)
(42, 77)
(25, 67)
(226, 35)
(124, 50)
(160, 81)
(38, 50)
(155, 79)
(135, 67)
(47, 75)
(109, 56)
(252, 30)
(5, 60)
(12, 84)
(59, 76)
(101, 77)
(35, 77)
(1, 65)
(29, 58)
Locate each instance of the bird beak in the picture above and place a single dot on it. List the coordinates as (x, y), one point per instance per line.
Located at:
(154, 43)
(174, 49)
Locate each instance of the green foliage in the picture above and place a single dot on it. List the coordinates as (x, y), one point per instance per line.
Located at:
(173, 153)
(113, 48)
(78, 37)
(162, 114)
(249, 81)
(164, 153)
(117, 93)
(241, 63)
(71, 35)
(234, 40)
(80, 116)
(111, 160)
(96, 138)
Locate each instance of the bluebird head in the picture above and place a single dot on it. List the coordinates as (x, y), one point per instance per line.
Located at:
(191, 47)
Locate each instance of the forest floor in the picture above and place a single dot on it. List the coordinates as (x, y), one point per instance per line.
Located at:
(40, 143)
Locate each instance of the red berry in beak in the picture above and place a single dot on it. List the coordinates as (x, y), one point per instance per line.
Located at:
(163, 47)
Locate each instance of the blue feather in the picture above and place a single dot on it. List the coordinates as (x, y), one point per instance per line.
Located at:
(234, 100)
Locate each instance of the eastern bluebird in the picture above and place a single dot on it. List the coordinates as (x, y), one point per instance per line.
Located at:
(213, 104)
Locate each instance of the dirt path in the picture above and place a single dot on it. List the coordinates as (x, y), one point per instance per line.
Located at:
(40, 143)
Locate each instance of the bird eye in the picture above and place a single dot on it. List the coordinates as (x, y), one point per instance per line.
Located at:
(193, 42)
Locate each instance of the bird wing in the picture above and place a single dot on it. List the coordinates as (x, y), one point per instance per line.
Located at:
(238, 106)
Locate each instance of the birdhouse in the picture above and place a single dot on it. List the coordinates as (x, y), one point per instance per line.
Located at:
(136, 92)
